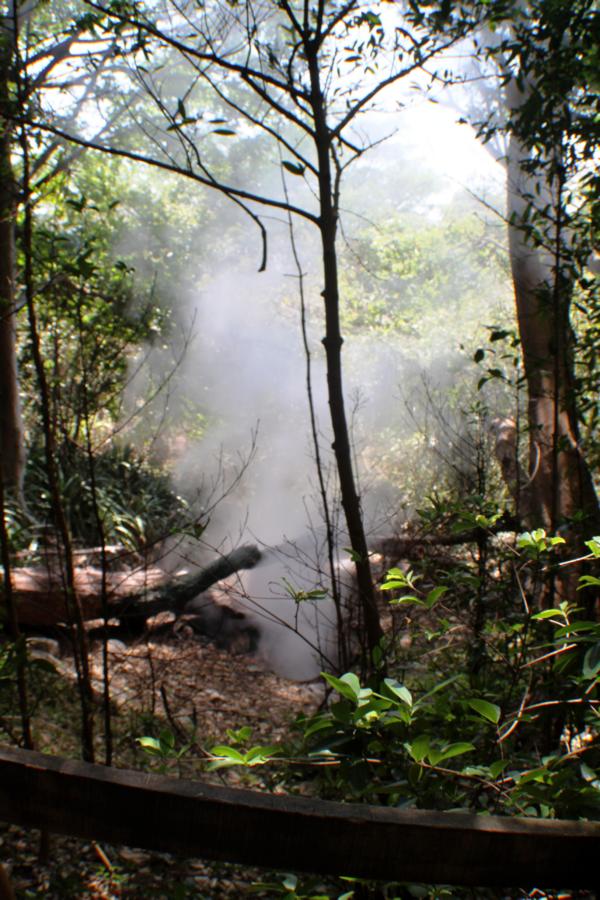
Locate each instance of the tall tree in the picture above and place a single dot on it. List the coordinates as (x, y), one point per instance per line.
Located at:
(43, 52)
(541, 98)
(42, 49)
(301, 73)
(12, 454)
(551, 140)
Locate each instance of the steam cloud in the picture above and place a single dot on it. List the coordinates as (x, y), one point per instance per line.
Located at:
(245, 371)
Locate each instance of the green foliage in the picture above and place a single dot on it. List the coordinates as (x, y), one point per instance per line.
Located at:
(402, 275)
(90, 314)
(519, 737)
(399, 580)
(224, 756)
(299, 596)
(136, 503)
(534, 543)
(162, 749)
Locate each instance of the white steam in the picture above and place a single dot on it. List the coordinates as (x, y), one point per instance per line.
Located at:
(245, 373)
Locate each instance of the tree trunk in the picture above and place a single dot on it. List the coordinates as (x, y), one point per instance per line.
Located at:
(333, 351)
(559, 483)
(12, 454)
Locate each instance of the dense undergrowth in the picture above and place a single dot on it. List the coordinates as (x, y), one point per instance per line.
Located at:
(115, 497)
(484, 699)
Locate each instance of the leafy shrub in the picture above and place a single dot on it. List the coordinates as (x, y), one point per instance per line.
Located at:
(135, 500)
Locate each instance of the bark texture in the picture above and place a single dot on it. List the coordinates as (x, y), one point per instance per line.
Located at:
(12, 454)
(39, 594)
(559, 482)
(333, 341)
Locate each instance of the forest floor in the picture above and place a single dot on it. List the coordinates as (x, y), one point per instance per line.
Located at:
(195, 691)
(175, 681)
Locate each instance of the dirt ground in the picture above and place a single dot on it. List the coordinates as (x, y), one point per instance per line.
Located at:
(187, 686)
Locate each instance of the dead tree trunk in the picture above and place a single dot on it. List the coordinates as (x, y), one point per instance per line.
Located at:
(38, 593)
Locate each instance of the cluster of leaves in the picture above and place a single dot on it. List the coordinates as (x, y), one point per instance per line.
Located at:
(526, 725)
(399, 276)
(135, 500)
(88, 306)
(517, 735)
(95, 308)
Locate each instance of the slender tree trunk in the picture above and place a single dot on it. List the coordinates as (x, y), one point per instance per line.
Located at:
(12, 455)
(72, 604)
(333, 351)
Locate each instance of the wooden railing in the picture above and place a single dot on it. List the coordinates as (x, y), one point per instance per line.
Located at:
(292, 833)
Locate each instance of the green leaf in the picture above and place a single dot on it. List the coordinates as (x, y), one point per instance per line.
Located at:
(353, 554)
(225, 131)
(486, 710)
(478, 355)
(591, 661)
(419, 748)
(320, 723)
(497, 767)
(434, 595)
(228, 753)
(594, 546)
(150, 744)
(293, 168)
(406, 600)
(347, 688)
(538, 774)
(240, 735)
(438, 756)
(399, 690)
(258, 756)
(437, 688)
(354, 684)
(588, 581)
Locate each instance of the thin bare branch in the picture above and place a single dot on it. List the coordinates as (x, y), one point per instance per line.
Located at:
(226, 189)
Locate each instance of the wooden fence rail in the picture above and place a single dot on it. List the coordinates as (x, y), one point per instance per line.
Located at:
(293, 834)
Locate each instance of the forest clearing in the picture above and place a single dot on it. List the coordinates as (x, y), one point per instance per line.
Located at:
(299, 449)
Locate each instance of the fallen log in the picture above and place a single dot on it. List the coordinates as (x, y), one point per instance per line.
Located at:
(39, 593)
(175, 594)
(293, 833)
(397, 547)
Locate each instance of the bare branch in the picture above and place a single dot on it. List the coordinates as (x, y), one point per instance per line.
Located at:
(226, 189)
